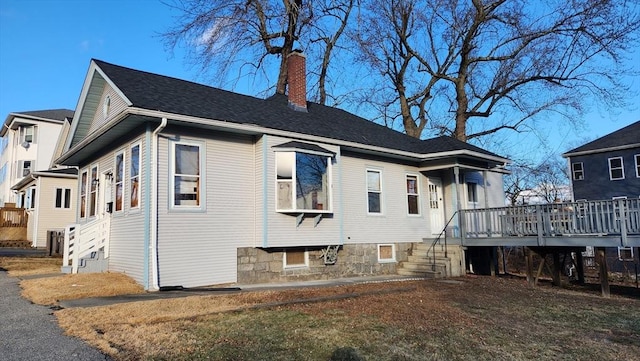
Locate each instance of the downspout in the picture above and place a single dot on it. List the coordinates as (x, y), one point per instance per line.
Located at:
(153, 204)
(34, 243)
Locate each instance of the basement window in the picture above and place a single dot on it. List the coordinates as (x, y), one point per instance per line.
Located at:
(295, 258)
(625, 253)
(386, 253)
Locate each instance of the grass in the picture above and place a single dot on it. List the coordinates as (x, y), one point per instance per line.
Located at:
(475, 318)
(27, 266)
(479, 319)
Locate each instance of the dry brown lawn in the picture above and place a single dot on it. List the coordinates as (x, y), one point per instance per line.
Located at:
(27, 266)
(472, 318)
(469, 318)
(50, 290)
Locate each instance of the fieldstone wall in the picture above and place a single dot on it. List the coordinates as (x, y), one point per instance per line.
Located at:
(264, 265)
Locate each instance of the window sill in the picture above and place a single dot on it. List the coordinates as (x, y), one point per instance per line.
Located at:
(387, 261)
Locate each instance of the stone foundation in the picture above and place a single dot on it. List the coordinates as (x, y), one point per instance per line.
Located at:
(264, 265)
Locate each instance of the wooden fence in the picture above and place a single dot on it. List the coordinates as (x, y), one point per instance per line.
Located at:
(13, 217)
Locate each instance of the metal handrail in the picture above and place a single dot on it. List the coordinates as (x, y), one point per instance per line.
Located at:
(433, 244)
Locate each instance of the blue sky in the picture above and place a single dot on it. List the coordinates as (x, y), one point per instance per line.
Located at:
(46, 46)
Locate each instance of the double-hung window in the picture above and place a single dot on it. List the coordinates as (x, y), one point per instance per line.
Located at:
(303, 182)
(27, 134)
(472, 193)
(374, 191)
(577, 169)
(119, 181)
(616, 168)
(413, 203)
(134, 173)
(83, 194)
(186, 175)
(63, 198)
(637, 158)
(93, 191)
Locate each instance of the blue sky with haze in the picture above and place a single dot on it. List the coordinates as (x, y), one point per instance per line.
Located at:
(46, 46)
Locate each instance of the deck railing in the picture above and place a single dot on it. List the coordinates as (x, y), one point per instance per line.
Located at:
(589, 218)
(13, 217)
(80, 240)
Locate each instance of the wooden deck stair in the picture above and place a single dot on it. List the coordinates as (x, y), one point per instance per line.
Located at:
(421, 262)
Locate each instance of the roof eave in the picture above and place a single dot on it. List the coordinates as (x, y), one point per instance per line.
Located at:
(601, 150)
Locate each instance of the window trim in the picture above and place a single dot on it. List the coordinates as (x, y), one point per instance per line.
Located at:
(380, 192)
(294, 266)
(92, 204)
(417, 194)
(574, 172)
(636, 157)
(611, 169)
(327, 157)
(65, 198)
(393, 253)
(468, 187)
(82, 208)
(30, 198)
(172, 176)
(626, 249)
(138, 176)
(122, 181)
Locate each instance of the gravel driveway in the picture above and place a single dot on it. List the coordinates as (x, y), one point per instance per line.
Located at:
(30, 332)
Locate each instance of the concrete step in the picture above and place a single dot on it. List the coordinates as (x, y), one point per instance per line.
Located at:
(429, 260)
(417, 273)
(425, 253)
(93, 263)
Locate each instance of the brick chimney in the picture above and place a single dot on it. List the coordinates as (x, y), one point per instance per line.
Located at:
(297, 81)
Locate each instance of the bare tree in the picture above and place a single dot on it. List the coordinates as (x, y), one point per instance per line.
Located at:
(224, 36)
(223, 33)
(472, 68)
(546, 181)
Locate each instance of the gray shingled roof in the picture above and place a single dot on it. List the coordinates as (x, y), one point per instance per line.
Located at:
(628, 135)
(157, 92)
(55, 114)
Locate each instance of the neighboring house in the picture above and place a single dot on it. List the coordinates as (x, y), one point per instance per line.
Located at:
(194, 185)
(28, 144)
(609, 168)
(49, 198)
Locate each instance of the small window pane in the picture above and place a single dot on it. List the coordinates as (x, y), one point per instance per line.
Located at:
(58, 198)
(187, 159)
(67, 198)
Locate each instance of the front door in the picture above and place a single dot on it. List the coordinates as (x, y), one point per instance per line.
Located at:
(436, 208)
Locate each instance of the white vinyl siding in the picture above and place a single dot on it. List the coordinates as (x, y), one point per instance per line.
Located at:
(127, 248)
(200, 248)
(116, 106)
(50, 217)
(393, 226)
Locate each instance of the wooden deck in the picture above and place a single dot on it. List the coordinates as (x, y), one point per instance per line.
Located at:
(608, 223)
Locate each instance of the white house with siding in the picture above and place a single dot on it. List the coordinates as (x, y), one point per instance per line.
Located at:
(28, 144)
(182, 184)
(49, 199)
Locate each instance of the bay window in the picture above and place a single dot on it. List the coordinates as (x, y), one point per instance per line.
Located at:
(303, 182)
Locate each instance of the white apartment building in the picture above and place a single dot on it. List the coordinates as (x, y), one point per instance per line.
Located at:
(28, 143)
